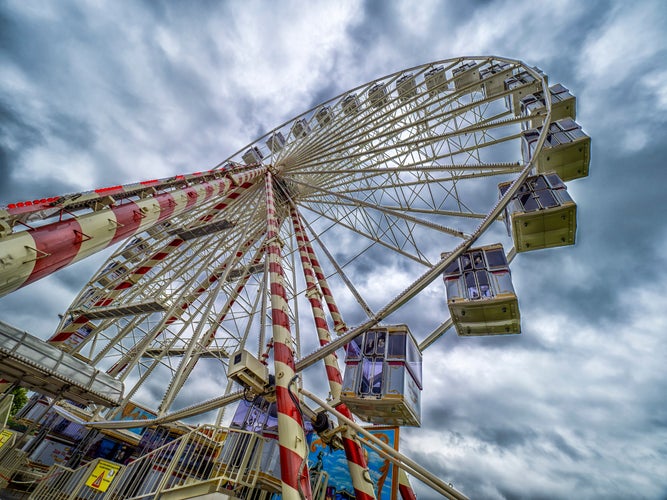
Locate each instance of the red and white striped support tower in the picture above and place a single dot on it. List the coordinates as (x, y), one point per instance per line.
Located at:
(404, 486)
(231, 188)
(30, 255)
(363, 486)
(293, 446)
(339, 325)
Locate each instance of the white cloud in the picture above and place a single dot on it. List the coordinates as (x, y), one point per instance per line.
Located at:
(635, 139)
(280, 58)
(530, 31)
(631, 35)
(655, 84)
(52, 162)
(417, 19)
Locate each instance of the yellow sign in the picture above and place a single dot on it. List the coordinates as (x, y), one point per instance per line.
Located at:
(5, 436)
(102, 475)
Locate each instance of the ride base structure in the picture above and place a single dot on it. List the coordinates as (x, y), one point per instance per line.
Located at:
(220, 281)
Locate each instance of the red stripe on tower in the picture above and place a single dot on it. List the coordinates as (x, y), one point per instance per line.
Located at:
(128, 219)
(191, 193)
(167, 205)
(404, 486)
(56, 245)
(293, 450)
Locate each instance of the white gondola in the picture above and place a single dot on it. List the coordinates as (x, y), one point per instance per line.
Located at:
(276, 142)
(323, 115)
(563, 105)
(480, 294)
(493, 78)
(566, 151)
(521, 85)
(406, 87)
(436, 81)
(383, 377)
(252, 156)
(466, 75)
(541, 214)
(350, 104)
(300, 128)
(377, 95)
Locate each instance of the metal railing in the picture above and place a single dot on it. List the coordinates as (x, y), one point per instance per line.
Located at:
(205, 460)
(88, 482)
(11, 460)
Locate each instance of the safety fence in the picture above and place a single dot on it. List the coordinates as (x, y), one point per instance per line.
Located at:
(89, 482)
(11, 461)
(205, 460)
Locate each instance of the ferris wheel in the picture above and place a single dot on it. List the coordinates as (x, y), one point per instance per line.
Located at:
(383, 178)
(335, 223)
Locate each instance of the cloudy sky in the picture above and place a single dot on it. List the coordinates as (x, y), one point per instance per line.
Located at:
(102, 93)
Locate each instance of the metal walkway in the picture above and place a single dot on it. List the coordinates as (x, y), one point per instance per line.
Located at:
(41, 367)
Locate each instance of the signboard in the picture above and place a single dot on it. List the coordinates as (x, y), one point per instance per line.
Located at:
(383, 473)
(67, 341)
(132, 411)
(5, 436)
(102, 475)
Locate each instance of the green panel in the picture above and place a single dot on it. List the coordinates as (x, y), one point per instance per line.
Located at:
(569, 161)
(498, 316)
(547, 228)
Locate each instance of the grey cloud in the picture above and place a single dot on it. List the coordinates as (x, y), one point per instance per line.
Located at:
(531, 416)
(17, 136)
(565, 447)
